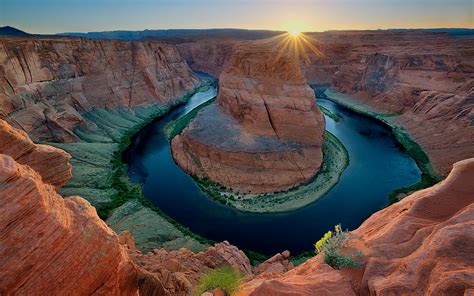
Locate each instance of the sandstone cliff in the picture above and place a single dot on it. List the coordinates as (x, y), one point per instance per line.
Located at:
(424, 78)
(265, 133)
(50, 245)
(52, 164)
(422, 245)
(46, 84)
(209, 56)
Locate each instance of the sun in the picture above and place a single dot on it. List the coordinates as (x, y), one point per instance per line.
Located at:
(294, 32)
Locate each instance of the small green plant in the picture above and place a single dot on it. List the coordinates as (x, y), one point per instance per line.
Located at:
(224, 277)
(330, 246)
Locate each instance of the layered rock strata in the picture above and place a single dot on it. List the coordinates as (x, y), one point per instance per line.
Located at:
(48, 83)
(51, 163)
(92, 93)
(265, 133)
(180, 270)
(50, 245)
(422, 245)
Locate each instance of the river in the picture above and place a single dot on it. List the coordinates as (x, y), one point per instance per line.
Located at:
(377, 166)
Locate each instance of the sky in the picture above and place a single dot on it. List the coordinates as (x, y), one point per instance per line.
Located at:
(55, 16)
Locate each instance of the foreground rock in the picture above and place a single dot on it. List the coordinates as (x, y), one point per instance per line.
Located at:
(180, 270)
(52, 164)
(420, 245)
(265, 133)
(50, 245)
(48, 83)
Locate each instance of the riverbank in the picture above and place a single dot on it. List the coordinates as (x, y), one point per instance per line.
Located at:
(429, 176)
(335, 161)
(100, 176)
(176, 127)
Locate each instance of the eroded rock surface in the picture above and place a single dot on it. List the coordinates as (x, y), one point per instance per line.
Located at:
(50, 245)
(265, 133)
(47, 83)
(420, 245)
(209, 56)
(51, 163)
(180, 270)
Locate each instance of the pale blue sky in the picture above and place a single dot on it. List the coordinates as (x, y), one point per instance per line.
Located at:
(55, 16)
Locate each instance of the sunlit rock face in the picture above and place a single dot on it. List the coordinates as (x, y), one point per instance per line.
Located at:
(264, 134)
(268, 96)
(422, 245)
(51, 163)
(48, 83)
(50, 245)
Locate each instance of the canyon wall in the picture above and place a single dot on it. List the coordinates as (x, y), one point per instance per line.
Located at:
(54, 245)
(50, 244)
(425, 81)
(84, 96)
(209, 56)
(265, 132)
(47, 84)
(422, 245)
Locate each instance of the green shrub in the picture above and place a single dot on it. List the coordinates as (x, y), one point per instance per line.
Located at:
(330, 246)
(225, 278)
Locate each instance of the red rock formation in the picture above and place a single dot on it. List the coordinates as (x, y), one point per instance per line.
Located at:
(180, 270)
(51, 163)
(266, 92)
(209, 56)
(265, 134)
(427, 78)
(278, 263)
(46, 84)
(50, 245)
(422, 245)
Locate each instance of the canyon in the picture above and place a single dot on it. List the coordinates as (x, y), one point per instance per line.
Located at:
(54, 245)
(422, 243)
(85, 96)
(265, 133)
(422, 81)
(48, 83)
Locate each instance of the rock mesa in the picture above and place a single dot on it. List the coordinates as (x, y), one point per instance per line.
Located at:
(264, 134)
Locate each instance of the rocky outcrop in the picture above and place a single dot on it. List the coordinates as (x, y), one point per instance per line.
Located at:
(265, 134)
(51, 163)
(50, 245)
(278, 263)
(180, 270)
(267, 94)
(426, 78)
(47, 84)
(420, 245)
